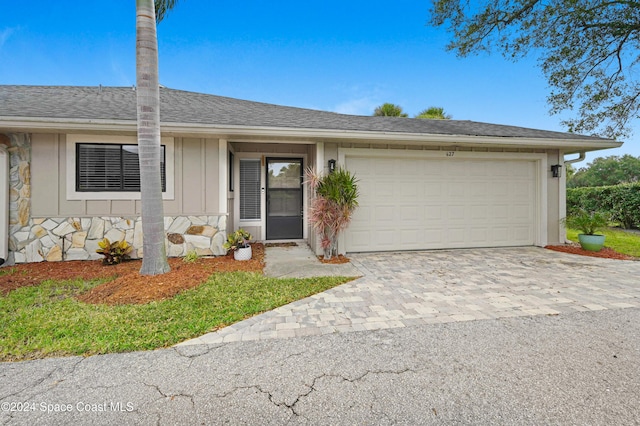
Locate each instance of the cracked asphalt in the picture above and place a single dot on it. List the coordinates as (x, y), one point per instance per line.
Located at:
(570, 369)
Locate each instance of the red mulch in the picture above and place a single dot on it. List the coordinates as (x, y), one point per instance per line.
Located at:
(335, 260)
(129, 286)
(606, 252)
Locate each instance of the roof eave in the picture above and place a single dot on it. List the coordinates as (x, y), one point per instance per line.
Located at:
(569, 146)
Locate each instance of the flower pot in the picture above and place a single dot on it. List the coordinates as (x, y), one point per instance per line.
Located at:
(591, 242)
(243, 253)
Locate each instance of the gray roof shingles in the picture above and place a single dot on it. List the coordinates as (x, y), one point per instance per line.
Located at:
(177, 106)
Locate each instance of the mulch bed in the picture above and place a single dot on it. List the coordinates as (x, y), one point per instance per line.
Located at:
(335, 260)
(129, 287)
(606, 252)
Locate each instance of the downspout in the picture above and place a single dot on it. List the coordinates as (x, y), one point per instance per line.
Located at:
(576, 160)
(4, 204)
(563, 194)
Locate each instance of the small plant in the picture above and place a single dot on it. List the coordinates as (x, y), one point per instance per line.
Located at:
(7, 271)
(115, 252)
(237, 240)
(586, 222)
(191, 257)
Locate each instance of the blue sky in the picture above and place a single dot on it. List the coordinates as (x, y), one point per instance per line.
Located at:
(332, 55)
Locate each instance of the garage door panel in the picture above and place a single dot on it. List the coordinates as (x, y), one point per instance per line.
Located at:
(456, 213)
(498, 189)
(432, 189)
(383, 216)
(412, 215)
(433, 214)
(521, 233)
(457, 189)
(501, 235)
(480, 214)
(410, 189)
(476, 169)
(384, 189)
(478, 235)
(412, 204)
(521, 214)
(456, 170)
(432, 169)
(455, 237)
(412, 237)
(361, 216)
(384, 239)
(360, 238)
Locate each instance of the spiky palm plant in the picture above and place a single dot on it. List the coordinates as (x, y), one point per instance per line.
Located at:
(332, 208)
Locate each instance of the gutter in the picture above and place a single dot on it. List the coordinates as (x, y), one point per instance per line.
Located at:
(4, 204)
(581, 157)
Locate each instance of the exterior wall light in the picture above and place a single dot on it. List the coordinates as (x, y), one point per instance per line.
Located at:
(332, 166)
(556, 170)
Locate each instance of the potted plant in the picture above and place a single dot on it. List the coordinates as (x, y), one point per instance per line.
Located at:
(588, 223)
(239, 243)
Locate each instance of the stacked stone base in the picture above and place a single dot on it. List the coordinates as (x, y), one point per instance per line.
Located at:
(58, 239)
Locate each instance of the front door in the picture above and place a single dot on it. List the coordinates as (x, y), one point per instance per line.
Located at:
(284, 198)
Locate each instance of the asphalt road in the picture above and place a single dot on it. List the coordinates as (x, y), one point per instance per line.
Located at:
(568, 369)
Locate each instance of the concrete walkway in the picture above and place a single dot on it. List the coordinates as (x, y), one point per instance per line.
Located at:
(431, 287)
(300, 262)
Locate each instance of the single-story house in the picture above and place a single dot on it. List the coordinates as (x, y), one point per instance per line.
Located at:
(69, 175)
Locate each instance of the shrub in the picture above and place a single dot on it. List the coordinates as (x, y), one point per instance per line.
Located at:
(332, 208)
(115, 252)
(621, 202)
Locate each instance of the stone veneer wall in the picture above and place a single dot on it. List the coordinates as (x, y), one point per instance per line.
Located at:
(19, 147)
(57, 239)
(71, 238)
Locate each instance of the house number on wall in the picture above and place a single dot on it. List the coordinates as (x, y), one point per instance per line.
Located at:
(450, 153)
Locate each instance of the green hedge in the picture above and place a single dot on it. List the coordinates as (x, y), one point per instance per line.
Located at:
(622, 202)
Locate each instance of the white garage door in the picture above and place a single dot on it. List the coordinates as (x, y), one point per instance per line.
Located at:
(432, 203)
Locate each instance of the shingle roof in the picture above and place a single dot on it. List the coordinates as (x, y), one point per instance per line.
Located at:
(177, 106)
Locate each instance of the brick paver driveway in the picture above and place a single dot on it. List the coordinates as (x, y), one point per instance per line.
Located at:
(404, 289)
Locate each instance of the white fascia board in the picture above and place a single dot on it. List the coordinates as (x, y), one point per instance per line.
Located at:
(229, 131)
(64, 125)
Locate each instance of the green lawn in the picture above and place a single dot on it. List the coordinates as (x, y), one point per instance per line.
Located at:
(620, 241)
(46, 320)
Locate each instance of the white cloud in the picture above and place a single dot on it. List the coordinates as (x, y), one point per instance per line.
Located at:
(359, 106)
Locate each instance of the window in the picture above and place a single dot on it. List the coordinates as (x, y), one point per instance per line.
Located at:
(105, 167)
(250, 190)
(111, 167)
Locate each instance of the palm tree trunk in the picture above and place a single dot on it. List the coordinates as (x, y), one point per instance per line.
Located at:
(154, 259)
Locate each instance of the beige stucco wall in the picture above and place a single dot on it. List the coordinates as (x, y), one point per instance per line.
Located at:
(195, 171)
(555, 198)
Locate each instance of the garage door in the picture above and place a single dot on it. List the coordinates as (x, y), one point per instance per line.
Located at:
(433, 203)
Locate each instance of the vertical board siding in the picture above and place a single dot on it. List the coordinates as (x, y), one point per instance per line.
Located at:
(45, 171)
(192, 176)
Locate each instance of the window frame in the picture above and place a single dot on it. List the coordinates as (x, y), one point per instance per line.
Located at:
(72, 172)
(121, 150)
(258, 194)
